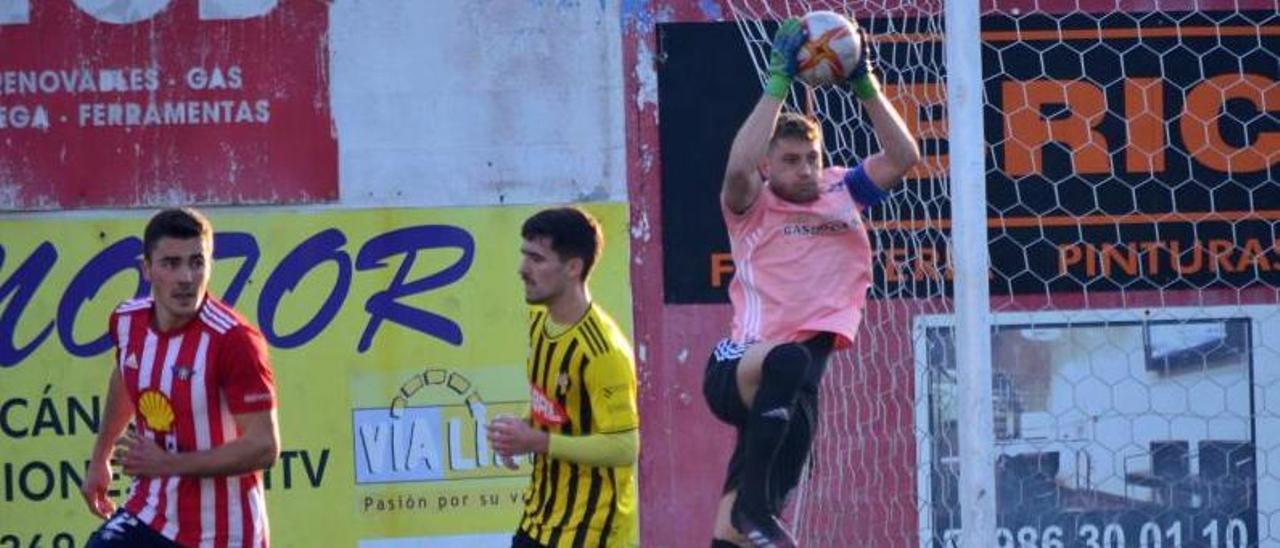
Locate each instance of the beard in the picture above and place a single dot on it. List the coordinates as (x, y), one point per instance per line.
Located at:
(543, 294)
(533, 296)
(801, 194)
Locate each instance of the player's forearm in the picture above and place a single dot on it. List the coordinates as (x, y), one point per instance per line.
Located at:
(617, 449)
(896, 141)
(239, 456)
(116, 415)
(751, 143)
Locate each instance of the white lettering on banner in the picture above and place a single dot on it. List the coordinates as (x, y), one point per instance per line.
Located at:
(173, 113)
(24, 117)
(181, 72)
(420, 444)
(51, 81)
(201, 78)
(375, 445)
(1221, 532)
(148, 112)
(423, 449)
(457, 459)
(125, 12)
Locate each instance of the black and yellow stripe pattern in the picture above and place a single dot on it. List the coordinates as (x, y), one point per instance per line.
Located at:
(589, 373)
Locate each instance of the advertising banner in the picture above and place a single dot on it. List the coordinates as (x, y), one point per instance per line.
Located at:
(395, 334)
(130, 104)
(1136, 157)
(1112, 428)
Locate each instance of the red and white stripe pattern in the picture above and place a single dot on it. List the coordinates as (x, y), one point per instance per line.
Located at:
(183, 366)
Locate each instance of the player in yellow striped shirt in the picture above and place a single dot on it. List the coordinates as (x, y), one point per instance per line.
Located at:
(583, 425)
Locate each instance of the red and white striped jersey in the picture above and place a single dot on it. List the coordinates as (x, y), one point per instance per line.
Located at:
(186, 385)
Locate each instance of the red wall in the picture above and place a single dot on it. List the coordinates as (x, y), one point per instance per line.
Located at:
(173, 107)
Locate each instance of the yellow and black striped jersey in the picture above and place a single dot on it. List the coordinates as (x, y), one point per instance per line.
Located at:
(581, 382)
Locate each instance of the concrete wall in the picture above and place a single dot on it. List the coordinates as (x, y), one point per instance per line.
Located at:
(477, 103)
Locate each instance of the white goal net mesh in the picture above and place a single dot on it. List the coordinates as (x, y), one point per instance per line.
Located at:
(1133, 207)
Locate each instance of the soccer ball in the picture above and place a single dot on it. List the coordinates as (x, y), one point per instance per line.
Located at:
(832, 50)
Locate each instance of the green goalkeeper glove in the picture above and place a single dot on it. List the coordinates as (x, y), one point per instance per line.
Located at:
(782, 60)
(863, 79)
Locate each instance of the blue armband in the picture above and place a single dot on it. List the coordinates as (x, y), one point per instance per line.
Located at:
(862, 188)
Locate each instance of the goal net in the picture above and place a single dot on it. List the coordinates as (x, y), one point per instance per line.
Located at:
(1132, 216)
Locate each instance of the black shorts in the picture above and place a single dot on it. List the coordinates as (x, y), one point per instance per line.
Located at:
(125, 530)
(522, 540)
(720, 389)
(720, 384)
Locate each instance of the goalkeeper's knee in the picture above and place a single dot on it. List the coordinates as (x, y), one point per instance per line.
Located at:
(782, 374)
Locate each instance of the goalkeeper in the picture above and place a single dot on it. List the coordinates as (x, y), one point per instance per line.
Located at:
(803, 266)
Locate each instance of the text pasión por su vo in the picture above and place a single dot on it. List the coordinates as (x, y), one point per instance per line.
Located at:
(151, 111)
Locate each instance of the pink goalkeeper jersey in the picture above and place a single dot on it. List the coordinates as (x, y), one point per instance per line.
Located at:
(799, 268)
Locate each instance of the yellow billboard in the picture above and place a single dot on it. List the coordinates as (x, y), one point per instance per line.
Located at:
(394, 334)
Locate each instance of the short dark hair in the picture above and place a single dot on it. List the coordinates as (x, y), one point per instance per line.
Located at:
(795, 126)
(574, 234)
(179, 223)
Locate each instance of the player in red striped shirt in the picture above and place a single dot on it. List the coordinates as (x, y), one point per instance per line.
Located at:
(193, 379)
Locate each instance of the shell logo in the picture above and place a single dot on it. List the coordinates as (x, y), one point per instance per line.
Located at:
(156, 410)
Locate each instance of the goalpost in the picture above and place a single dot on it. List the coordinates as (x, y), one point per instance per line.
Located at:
(963, 57)
(1076, 293)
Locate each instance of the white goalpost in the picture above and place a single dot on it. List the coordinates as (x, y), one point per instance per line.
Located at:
(963, 44)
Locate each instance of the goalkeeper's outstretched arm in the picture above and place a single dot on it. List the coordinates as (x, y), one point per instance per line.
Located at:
(898, 149)
(742, 180)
